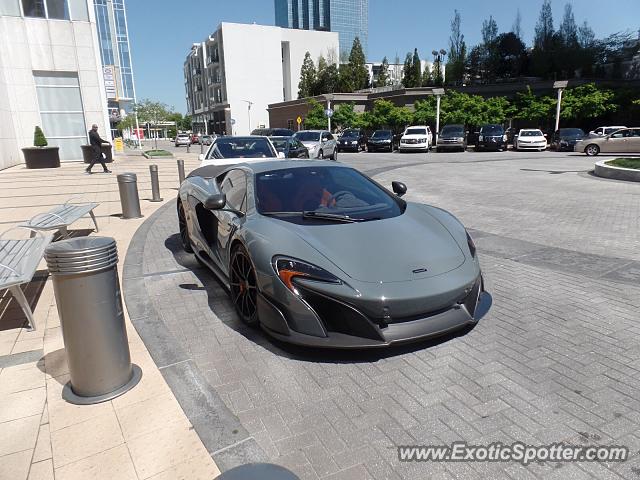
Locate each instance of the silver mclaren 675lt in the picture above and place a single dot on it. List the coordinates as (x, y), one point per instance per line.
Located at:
(316, 253)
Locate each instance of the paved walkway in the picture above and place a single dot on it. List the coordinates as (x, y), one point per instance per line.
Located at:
(557, 359)
(142, 434)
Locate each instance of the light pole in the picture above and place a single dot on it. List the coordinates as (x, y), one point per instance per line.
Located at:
(438, 92)
(249, 103)
(560, 86)
(438, 57)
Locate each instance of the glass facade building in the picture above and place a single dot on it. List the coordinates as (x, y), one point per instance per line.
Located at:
(349, 18)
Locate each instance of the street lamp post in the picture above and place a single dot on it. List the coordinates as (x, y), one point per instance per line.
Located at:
(438, 92)
(438, 58)
(249, 103)
(560, 86)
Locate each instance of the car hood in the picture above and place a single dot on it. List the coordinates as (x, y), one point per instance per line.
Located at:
(408, 247)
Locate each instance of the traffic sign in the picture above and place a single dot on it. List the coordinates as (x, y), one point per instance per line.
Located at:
(328, 112)
(299, 120)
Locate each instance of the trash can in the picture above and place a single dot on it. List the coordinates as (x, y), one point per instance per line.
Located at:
(87, 291)
(128, 186)
(87, 153)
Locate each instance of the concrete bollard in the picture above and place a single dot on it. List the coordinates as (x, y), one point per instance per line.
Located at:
(180, 171)
(155, 184)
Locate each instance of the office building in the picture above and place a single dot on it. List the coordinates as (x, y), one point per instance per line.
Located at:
(233, 75)
(117, 70)
(50, 76)
(349, 18)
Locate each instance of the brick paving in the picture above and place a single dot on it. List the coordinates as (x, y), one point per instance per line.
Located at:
(557, 358)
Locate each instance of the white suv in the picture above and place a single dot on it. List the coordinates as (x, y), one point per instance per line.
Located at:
(417, 137)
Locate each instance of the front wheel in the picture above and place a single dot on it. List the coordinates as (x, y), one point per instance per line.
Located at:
(243, 286)
(592, 150)
(334, 155)
(184, 231)
(321, 155)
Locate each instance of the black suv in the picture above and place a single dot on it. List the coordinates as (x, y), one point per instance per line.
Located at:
(380, 140)
(353, 139)
(491, 137)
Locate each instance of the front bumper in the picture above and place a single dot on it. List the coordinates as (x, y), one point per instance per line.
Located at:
(450, 145)
(348, 146)
(492, 144)
(345, 325)
(379, 146)
(531, 146)
(414, 146)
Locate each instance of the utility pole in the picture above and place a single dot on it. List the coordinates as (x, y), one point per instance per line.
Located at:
(560, 86)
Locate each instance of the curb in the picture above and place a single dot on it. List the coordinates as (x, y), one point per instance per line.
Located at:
(616, 173)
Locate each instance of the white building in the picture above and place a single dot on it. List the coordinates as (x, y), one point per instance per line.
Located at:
(396, 71)
(50, 76)
(233, 76)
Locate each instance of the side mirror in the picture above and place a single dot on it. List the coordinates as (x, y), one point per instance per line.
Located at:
(281, 155)
(399, 188)
(215, 202)
(201, 157)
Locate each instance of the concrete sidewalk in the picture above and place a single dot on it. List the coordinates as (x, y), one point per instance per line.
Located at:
(142, 434)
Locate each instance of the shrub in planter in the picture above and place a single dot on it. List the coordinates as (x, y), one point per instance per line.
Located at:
(41, 155)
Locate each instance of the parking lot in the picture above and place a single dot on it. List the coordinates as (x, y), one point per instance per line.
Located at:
(556, 359)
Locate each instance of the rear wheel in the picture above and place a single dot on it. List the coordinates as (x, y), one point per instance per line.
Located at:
(592, 150)
(184, 231)
(334, 156)
(244, 287)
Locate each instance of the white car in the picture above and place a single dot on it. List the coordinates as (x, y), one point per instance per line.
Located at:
(530, 139)
(415, 138)
(183, 139)
(602, 131)
(232, 150)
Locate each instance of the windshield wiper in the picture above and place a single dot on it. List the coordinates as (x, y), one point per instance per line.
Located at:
(337, 217)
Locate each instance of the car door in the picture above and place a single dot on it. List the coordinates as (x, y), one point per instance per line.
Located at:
(332, 142)
(615, 143)
(234, 185)
(633, 140)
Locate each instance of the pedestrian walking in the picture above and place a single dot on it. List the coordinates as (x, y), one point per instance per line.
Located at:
(96, 145)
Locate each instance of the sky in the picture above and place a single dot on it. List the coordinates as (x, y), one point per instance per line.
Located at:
(162, 31)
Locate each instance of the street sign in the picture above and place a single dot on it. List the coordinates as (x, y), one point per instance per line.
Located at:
(328, 112)
(299, 120)
(233, 121)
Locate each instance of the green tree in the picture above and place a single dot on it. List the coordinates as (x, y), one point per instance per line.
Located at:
(152, 112)
(517, 25)
(400, 118)
(39, 140)
(568, 28)
(345, 116)
(457, 52)
(543, 44)
(407, 79)
(489, 58)
(416, 69)
(315, 119)
(307, 77)
(383, 76)
(586, 102)
(185, 124)
(529, 107)
(511, 55)
(357, 67)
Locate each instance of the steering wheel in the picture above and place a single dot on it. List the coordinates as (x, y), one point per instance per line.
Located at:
(336, 196)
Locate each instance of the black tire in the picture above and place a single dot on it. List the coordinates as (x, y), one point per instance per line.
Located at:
(184, 231)
(321, 155)
(243, 286)
(592, 150)
(334, 156)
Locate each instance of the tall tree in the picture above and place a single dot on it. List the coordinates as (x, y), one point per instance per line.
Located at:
(407, 79)
(568, 28)
(327, 78)
(489, 54)
(517, 25)
(544, 28)
(489, 30)
(416, 69)
(586, 37)
(457, 52)
(383, 75)
(357, 67)
(308, 77)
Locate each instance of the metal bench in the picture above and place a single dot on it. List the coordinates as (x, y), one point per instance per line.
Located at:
(60, 217)
(19, 260)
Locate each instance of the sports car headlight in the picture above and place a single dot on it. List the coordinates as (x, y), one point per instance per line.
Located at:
(289, 268)
(472, 246)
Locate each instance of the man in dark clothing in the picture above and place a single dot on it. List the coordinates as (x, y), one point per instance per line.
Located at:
(96, 146)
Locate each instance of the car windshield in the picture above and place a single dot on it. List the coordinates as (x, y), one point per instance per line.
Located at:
(350, 133)
(457, 130)
(328, 193)
(492, 130)
(570, 133)
(241, 147)
(416, 131)
(381, 134)
(531, 133)
(308, 136)
(280, 143)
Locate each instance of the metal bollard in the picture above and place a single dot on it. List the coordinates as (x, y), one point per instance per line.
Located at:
(188, 146)
(180, 171)
(87, 291)
(155, 185)
(128, 186)
(201, 147)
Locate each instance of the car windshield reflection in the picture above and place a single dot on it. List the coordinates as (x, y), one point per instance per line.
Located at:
(241, 147)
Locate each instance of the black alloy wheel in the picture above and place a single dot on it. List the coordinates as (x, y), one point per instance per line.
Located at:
(244, 288)
(184, 232)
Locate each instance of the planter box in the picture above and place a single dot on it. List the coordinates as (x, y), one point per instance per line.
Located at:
(41, 157)
(616, 173)
(87, 153)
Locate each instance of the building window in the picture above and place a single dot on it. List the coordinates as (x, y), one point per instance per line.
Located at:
(10, 8)
(33, 8)
(78, 9)
(290, 124)
(58, 9)
(61, 111)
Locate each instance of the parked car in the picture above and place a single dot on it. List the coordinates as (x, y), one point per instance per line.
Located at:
(321, 143)
(380, 140)
(602, 131)
(566, 138)
(290, 146)
(273, 132)
(626, 140)
(318, 254)
(207, 139)
(452, 137)
(491, 137)
(232, 150)
(353, 139)
(195, 138)
(182, 139)
(530, 139)
(417, 137)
